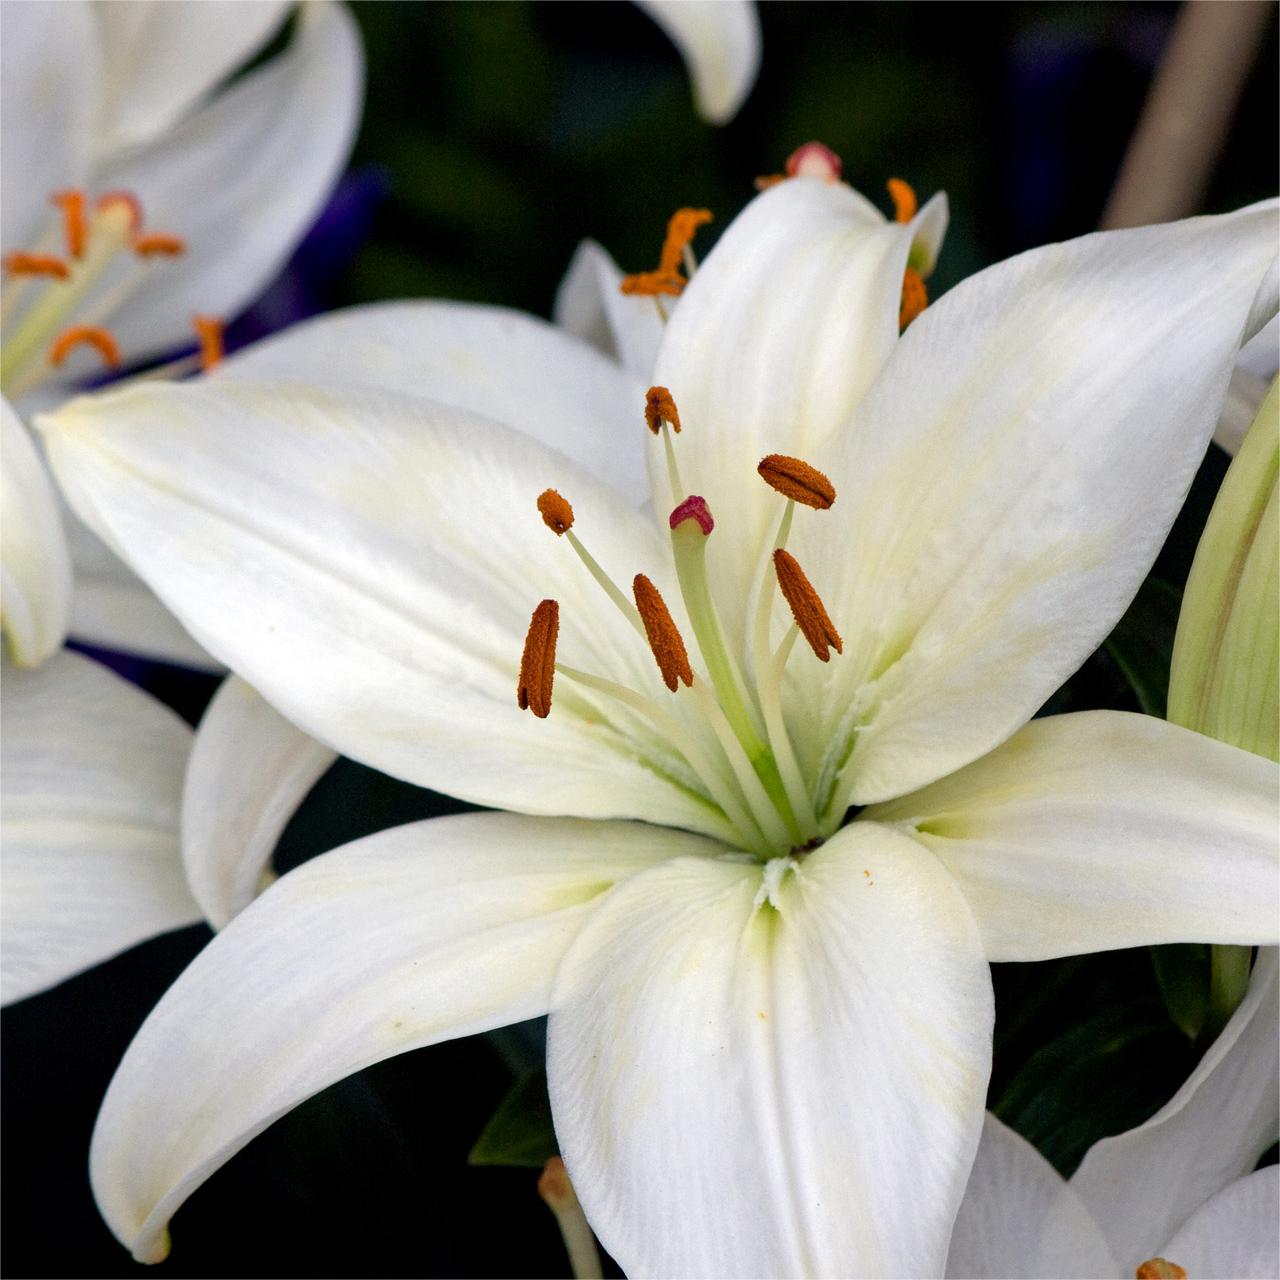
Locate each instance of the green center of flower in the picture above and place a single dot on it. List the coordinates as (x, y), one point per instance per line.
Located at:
(735, 742)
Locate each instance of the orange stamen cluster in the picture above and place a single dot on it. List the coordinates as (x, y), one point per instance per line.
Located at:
(74, 225)
(1160, 1269)
(665, 641)
(151, 243)
(556, 512)
(904, 200)
(21, 263)
(668, 278)
(659, 407)
(915, 297)
(538, 662)
(797, 480)
(209, 330)
(806, 606)
(88, 335)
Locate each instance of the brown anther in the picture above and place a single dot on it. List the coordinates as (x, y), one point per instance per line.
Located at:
(797, 480)
(659, 407)
(806, 606)
(74, 224)
(151, 243)
(1160, 1269)
(668, 278)
(555, 511)
(21, 263)
(554, 1185)
(814, 160)
(209, 330)
(664, 636)
(538, 662)
(915, 297)
(122, 199)
(90, 335)
(904, 199)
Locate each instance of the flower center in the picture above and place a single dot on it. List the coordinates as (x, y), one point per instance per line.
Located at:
(728, 741)
(60, 296)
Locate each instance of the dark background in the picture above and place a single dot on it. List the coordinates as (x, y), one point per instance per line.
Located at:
(495, 137)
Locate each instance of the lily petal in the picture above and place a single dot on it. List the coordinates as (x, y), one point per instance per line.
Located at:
(1007, 483)
(35, 569)
(249, 770)
(242, 179)
(720, 43)
(775, 1072)
(92, 775)
(1235, 1234)
(513, 368)
(159, 60)
(1104, 829)
(1141, 1185)
(418, 934)
(1019, 1219)
(369, 563)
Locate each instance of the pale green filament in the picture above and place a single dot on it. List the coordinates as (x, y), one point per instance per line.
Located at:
(678, 490)
(629, 611)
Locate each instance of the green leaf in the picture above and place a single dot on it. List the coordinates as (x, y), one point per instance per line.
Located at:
(520, 1132)
(1142, 643)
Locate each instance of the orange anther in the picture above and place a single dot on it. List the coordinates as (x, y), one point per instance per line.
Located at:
(767, 180)
(659, 407)
(71, 202)
(1160, 1269)
(556, 512)
(538, 662)
(915, 297)
(85, 333)
(664, 636)
(668, 278)
(126, 199)
(904, 200)
(649, 283)
(20, 263)
(806, 606)
(150, 243)
(554, 1185)
(209, 331)
(797, 480)
(814, 160)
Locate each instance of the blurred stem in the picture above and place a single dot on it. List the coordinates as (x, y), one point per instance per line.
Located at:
(1187, 112)
(1228, 978)
(579, 1242)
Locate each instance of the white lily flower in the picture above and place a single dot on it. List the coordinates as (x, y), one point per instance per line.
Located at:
(770, 1025)
(92, 773)
(136, 192)
(1177, 1192)
(1254, 372)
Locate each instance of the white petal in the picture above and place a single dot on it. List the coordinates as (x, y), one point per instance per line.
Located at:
(1009, 480)
(720, 43)
(48, 87)
(241, 180)
(1236, 1235)
(1020, 1219)
(249, 770)
(369, 563)
(778, 336)
(1143, 1184)
(590, 305)
(158, 60)
(92, 775)
(511, 367)
(1104, 829)
(415, 935)
(775, 1072)
(35, 569)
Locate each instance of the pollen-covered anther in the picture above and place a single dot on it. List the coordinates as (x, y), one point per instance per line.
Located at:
(89, 335)
(904, 199)
(693, 508)
(209, 330)
(814, 160)
(806, 606)
(1160, 1269)
(668, 278)
(538, 662)
(797, 480)
(659, 407)
(151, 243)
(21, 263)
(915, 297)
(664, 636)
(556, 512)
(74, 224)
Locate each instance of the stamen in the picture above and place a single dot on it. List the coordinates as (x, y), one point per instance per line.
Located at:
(664, 636)
(693, 508)
(659, 407)
(538, 662)
(122, 199)
(915, 297)
(904, 199)
(555, 511)
(1160, 1269)
(94, 336)
(767, 180)
(74, 224)
(20, 263)
(806, 606)
(797, 480)
(667, 278)
(150, 243)
(209, 330)
(814, 160)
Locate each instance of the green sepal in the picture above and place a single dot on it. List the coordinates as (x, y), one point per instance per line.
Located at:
(520, 1132)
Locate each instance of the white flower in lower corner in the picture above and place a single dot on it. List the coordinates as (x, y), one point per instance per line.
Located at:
(759, 907)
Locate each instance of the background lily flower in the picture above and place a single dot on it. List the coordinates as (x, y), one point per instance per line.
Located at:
(750, 1031)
